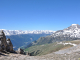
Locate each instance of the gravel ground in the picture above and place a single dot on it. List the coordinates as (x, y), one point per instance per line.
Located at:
(72, 53)
(51, 56)
(69, 50)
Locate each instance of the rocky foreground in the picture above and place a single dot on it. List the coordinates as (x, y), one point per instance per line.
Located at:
(52, 56)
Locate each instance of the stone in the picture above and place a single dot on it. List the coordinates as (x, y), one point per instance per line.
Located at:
(9, 45)
(20, 51)
(3, 43)
(28, 54)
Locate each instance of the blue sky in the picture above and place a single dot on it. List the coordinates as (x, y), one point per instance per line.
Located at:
(39, 14)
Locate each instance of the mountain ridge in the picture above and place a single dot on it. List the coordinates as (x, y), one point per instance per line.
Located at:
(16, 32)
(71, 31)
(67, 34)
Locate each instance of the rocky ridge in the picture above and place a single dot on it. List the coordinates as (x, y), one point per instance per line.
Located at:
(67, 34)
(5, 44)
(72, 31)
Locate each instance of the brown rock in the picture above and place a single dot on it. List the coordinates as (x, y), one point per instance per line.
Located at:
(20, 51)
(9, 45)
(3, 43)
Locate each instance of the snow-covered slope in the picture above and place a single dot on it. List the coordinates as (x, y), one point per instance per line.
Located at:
(15, 32)
(72, 31)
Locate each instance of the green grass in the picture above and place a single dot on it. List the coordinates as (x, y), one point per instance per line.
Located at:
(49, 48)
(45, 48)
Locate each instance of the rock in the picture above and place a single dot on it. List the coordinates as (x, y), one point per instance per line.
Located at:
(28, 54)
(0, 45)
(3, 43)
(9, 45)
(20, 51)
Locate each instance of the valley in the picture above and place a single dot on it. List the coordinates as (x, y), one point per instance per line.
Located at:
(22, 40)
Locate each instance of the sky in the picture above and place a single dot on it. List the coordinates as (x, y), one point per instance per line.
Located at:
(39, 14)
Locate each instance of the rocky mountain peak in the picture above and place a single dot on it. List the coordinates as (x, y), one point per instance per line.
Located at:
(72, 31)
(73, 27)
(74, 24)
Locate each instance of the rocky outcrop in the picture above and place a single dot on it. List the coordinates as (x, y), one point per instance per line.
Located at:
(9, 45)
(20, 51)
(5, 45)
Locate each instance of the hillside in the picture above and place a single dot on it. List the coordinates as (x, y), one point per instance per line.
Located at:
(22, 40)
(67, 34)
(48, 44)
(52, 47)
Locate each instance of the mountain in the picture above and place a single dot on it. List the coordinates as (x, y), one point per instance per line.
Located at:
(16, 32)
(56, 41)
(67, 34)
(72, 31)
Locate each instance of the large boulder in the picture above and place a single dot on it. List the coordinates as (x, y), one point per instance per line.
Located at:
(20, 51)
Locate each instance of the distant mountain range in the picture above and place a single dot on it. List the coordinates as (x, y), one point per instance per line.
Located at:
(16, 32)
(21, 38)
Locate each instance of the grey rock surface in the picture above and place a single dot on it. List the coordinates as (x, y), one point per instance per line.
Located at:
(51, 56)
(20, 51)
(9, 45)
(69, 50)
(5, 44)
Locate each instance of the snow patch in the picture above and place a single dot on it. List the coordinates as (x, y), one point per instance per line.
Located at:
(67, 43)
(74, 24)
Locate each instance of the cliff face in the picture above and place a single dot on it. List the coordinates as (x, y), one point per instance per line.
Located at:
(5, 44)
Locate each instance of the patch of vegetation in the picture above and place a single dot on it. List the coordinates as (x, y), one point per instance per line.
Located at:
(66, 46)
(45, 48)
